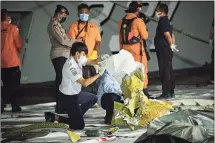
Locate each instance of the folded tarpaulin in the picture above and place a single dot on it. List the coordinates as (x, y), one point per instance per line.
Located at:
(190, 125)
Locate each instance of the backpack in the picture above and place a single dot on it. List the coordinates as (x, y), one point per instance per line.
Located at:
(126, 31)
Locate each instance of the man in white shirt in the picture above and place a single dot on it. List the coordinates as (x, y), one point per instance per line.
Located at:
(70, 94)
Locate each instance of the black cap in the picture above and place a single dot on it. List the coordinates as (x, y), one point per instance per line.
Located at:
(61, 8)
(133, 6)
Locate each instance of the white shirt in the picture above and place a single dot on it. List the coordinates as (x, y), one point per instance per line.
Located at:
(70, 74)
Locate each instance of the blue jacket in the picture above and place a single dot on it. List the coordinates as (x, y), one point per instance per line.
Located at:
(107, 84)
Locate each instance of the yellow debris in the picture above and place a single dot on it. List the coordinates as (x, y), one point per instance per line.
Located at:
(73, 136)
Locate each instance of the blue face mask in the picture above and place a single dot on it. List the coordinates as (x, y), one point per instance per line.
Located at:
(84, 17)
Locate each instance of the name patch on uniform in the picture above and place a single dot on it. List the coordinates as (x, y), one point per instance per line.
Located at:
(74, 71)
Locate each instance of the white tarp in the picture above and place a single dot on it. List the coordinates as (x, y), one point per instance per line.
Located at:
(122, 63)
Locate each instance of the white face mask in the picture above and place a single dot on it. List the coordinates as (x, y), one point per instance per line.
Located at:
(10, 22)
(82, 61)
(158, 14)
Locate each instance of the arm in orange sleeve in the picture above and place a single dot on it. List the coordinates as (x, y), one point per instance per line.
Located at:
(119, 28)
(17, 39)
(142, 29)
(98, 39)
(71, 33)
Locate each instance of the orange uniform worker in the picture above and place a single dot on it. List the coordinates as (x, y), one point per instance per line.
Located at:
(86, 31)
(89, 33)
(11, 46)
(132, 32)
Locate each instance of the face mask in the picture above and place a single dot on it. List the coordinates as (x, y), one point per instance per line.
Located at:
(63, 20)
(82, 61)
(10, 22)
(84, 17)
(157, 14)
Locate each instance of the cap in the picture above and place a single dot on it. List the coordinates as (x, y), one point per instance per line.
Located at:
(62, 9)
(133, 6)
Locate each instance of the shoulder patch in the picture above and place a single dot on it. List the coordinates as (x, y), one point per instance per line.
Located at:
(55, 25)
(74, 71)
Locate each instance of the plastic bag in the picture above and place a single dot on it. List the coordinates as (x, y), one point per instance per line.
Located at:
(120, 64)
(132, 85)
(124, 114)
(153, 109)
(123, 117)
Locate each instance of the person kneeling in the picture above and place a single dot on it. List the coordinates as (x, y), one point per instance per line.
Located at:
(108, 91)
(70, 89)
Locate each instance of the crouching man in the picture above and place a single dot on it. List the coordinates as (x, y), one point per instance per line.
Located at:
(109, 90)
(70, 94)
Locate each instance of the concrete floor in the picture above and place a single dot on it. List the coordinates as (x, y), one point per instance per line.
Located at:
(37, 99)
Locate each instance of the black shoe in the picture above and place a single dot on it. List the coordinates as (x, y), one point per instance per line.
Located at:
(164, 96)
(16, 108)
(108, 120)
(50, 117)
(172, 94)
(145, 91)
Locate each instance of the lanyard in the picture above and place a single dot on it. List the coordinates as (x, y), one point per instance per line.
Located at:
(79, 31)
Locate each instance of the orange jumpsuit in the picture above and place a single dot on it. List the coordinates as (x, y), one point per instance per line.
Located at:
(11, 44)
(139, 30)
(91, 36)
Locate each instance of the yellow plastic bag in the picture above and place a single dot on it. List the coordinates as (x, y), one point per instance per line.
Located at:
(94, 55)
(134, 103)
(132, 84)
(153, 109)
(120, 112)
(139, 74)
(123, 117)
(135, 99)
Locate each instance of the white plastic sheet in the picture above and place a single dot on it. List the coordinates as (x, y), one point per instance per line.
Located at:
(121, 64)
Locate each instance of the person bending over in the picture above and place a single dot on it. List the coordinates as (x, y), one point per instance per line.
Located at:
(109, 90)
(70, 93)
